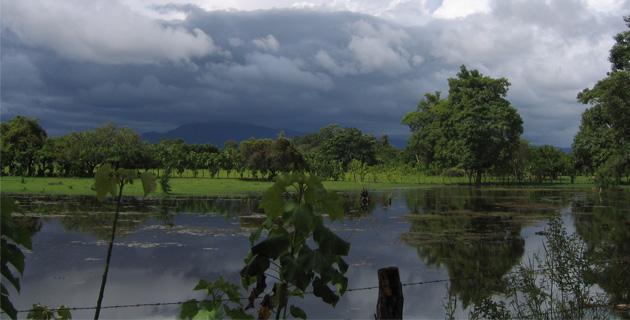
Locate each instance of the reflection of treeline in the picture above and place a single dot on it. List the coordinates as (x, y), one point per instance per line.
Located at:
(604, 226)
(449, 199)
(475, 233)
(53, 205)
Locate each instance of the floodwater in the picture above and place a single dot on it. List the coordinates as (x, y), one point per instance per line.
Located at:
(164, 247)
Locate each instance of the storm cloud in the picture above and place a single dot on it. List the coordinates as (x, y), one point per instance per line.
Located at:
(77, 64)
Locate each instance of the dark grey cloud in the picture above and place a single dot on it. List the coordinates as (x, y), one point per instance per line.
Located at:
(297, 69)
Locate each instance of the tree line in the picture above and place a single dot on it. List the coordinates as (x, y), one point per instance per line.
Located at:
(333, 153)
(474, 132)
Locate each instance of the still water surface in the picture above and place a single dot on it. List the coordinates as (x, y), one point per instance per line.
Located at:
(164, 247)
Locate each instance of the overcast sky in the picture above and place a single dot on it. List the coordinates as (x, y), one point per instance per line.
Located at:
(156, 64)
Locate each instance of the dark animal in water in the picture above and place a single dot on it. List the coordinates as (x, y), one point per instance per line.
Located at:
(365, 199)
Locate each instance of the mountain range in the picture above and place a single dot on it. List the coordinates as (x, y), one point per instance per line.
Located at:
(217, 133)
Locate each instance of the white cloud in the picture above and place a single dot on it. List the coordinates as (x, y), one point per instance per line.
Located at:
(266, 69)
(327, 62)
(379, 48)
(102, 31)
(610, 6)
(267, 43)
(460, 8)
(235, 42)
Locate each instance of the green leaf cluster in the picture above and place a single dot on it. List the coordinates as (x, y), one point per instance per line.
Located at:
(13, 237)
(111, 181)
(41, 312)
(295, 207)
(602, 145)
(222, 301)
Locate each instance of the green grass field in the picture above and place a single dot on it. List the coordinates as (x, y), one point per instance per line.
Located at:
(203, 186)
(180, 186)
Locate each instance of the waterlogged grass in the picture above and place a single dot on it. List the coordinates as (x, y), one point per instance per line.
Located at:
(187, 185)
(180, 186)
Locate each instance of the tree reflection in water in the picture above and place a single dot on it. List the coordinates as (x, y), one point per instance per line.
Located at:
(603, 223)
(474, 233)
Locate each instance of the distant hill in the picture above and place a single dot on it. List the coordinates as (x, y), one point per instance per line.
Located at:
(217, 133)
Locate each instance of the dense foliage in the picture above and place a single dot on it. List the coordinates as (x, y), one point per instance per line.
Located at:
(292, 251)
(602, 145)
(474, 129)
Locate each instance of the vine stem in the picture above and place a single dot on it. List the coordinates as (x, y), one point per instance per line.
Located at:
(109, 253)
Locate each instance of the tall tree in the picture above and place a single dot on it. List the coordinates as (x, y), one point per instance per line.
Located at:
(474, 129)
(22, 137)
(602, 144)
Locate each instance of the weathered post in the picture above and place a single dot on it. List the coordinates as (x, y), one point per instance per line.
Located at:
(390, 295)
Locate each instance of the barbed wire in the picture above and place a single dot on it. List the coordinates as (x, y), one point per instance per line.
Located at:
(367, 288)
(157, 304)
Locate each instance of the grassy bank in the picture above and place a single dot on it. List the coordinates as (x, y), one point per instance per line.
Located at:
(180, 186)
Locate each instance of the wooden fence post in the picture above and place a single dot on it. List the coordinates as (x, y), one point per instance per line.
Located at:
(390, 295)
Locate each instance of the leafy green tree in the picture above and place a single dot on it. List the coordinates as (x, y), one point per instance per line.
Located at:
(231, 156)
(620, 52)
(475, 128)
(347, 144)
(603, 141)
(385, 152)
(21, 137)
(45, 158)
(214, 162)
(285, 157)
(256, 154)
(427, 124)
(334, 143)
(486, 126)
(358, 169)
(546, 163)
(322, 167)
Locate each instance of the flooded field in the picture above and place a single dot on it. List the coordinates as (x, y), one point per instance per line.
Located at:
(474, 237)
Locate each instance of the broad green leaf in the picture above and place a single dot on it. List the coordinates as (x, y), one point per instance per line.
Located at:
(205, 314)
(254, 236)
(320, 289)
(259, 264)
(329, 242)
(12, 254)
(104, 181)
(4, 269)
(6, 304)
(272, 247)
(148, 182)
(297, 312)
(201, 285)
(303, 220)
(272, 201)
(237, 313)
(189, 309)
(7, 206)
